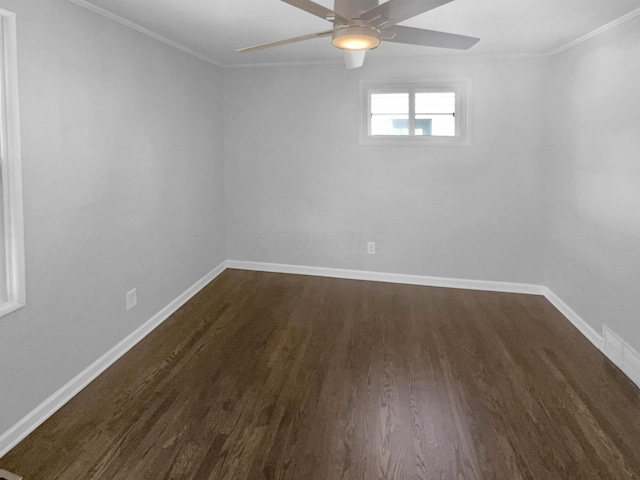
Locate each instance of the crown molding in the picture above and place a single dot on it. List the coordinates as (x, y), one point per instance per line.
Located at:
(283, 64)
(552, 53)
(375, 60)
(144, 31)
(594, 33)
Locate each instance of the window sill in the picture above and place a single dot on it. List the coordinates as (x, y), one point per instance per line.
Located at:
(407, 141)
(9, 307)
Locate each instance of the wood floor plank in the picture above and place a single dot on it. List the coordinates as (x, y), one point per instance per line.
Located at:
(285, 377)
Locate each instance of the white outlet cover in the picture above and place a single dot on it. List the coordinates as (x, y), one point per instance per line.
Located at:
(371, 248)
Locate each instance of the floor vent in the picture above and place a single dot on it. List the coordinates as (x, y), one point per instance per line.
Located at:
(4, 475)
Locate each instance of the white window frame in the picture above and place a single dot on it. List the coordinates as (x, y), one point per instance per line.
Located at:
(12, 269)
(462, 88)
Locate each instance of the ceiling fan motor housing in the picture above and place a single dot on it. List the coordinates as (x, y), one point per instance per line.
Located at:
(356, 37)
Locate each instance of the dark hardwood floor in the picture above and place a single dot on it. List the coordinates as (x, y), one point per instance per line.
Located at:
(269, 376)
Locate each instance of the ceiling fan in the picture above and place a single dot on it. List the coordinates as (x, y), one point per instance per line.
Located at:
(361, 25)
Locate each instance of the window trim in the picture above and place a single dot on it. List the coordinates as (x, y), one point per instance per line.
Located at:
(462, 88)
(12, 279)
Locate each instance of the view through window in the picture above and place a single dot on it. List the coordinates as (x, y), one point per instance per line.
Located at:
(420, 112)
(433, 114)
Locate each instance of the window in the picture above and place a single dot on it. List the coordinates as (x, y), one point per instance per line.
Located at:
(426, 112)
(12, 281)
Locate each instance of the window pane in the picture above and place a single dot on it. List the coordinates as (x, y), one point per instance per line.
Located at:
(437, 110)
(389, 114)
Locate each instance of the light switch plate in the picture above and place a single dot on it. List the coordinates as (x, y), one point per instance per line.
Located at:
(131, 300)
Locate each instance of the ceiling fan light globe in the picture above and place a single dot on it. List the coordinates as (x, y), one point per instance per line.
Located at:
(356, 37)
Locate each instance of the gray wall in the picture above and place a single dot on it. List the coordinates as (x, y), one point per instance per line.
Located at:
(123, 187)
(593, 165)
(124, 182)
(301, 190)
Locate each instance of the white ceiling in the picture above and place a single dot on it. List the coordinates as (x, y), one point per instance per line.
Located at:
(216, 28)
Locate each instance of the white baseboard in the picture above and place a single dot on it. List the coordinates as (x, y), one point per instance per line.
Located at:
(491, 286)
(42, 412)
(587, 330)
(622, 354)
(612, 345)
(618, 351)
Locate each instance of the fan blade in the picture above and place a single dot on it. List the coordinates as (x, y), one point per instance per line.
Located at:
(396, 11)
(318, 10)
(428, 38)
(354, 58)
(354, 8)
(285, 42)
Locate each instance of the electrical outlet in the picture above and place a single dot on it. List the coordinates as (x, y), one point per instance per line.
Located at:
(4, 475)
(132, 299)
(371, 248)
